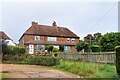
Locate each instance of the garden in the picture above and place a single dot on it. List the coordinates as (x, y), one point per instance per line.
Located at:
(18, 55)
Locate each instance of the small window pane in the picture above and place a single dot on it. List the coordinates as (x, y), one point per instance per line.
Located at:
(37, 37)
(73, 39)
(68, 39)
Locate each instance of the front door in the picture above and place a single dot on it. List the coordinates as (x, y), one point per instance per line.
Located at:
(31, 48)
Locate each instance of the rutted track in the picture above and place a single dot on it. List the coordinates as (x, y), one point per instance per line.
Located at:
(32, 71)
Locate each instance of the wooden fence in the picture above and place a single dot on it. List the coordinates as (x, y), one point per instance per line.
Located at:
(100, 57)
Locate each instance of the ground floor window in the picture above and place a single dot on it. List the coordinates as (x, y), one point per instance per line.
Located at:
(67, 49)
(40, 47)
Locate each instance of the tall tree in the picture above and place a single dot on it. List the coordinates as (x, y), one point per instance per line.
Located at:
(97, 37)
(109, 41)
(89, 38)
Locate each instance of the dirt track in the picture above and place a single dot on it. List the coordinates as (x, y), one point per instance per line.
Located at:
(32, 71)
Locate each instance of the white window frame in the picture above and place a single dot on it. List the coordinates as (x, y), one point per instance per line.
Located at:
(37, 38)
(51, 38)
(68, 39)
(73, 39)
(67, 49)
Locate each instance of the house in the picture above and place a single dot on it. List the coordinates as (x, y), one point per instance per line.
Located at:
(4, 37)
(38, 36)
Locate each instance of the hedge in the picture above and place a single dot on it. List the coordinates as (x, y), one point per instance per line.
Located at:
(13, 50)
(95, 48)
(44, 61)
(118, 59)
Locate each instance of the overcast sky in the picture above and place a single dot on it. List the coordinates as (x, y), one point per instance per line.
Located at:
(80, 16)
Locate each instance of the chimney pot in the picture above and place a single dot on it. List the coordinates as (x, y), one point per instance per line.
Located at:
(54, 23)
(34, 23)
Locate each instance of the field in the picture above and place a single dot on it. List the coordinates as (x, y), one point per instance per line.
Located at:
(88, 70)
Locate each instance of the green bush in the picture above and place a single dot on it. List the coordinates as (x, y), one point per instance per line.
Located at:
(49, 48)
(44, 61)
(55, 50)
(8, 58)
(118, 59)
(95, 48)
(13, 50)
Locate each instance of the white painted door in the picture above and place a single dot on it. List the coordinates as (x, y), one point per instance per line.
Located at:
(31, 48)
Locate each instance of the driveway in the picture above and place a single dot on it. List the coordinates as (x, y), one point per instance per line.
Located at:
(32, 71)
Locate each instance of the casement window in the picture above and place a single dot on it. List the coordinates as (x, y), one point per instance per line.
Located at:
(37, 37)
(73, 39)
(67, 49)
(68, 39)
(52, 38)
(40, 47)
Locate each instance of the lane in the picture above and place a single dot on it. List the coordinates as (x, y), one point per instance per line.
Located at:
(32, 71)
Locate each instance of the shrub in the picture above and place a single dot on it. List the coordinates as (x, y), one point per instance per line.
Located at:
(61, 48)
(44, 61)
(55, 50)
(95, 48)
(49, 48)
(13, 50)
(118, 59)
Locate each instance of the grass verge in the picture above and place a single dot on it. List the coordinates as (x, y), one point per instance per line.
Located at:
(88, 70)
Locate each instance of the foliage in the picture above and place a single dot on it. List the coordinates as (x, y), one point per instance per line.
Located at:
(44, 61)
(95, 48)
(105, 42)
(55, 50)
(49, 48)
(13, 50)
(89, 38)
(118, 59)
(61, 48)
(109, 41)
(3, 47)
(9, 58)
(88, 70)
(83, 45)
(97, 37)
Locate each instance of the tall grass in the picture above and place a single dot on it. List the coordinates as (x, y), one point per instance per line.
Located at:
(88, 70)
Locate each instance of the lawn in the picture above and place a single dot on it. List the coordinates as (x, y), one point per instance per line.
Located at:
(88, 70)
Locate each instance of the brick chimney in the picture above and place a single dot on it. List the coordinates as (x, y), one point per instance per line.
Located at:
(34, 23)
(54, 23)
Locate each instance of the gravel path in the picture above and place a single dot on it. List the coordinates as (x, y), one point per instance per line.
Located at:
(32, 71)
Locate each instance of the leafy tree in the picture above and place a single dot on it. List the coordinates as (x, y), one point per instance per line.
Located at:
(89, 38)
(49, 48)
(61, 48)
(97, 37)
(95, 48)
(83, 45)
(109, 41)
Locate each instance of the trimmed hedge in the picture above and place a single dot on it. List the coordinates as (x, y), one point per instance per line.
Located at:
(44, 61)
(95, 48)
(118, 59)
(14, 50)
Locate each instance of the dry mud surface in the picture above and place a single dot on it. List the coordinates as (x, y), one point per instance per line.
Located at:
(32, 71)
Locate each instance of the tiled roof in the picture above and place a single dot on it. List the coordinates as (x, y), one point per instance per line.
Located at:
(50, 43)
(45, 30)
(3, 35)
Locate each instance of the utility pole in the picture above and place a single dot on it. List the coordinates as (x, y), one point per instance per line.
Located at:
(119, 16)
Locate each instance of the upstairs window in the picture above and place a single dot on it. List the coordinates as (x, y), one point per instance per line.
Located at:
(73, 39)
(68, 39)
(37, 37)
(52, 39)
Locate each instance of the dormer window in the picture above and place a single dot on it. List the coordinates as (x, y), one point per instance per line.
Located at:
(73, 39)
(37, 37)
(68, 39)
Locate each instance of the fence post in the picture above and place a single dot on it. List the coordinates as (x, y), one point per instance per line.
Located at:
(118, 59)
